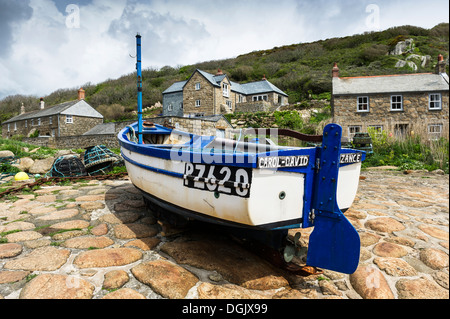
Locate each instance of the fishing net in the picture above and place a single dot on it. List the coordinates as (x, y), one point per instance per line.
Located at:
(67, 166)
(100, 160)
(6, 168)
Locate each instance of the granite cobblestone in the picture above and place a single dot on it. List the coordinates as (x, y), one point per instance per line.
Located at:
(99, 241)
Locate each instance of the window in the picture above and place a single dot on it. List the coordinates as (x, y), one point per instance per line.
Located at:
(50, 120)
(375, 129)
(435, 131)
(241, 98)
(434, 101)
(352, 130)
(8, 127)
(396, 103)
(225, 90)
(32, 122)
(401, 130)
(69, 119)
(229, 104)
(362, 104)
(39, 121)
(26, 123)
(259, 98)
(15, 126)
(197, 103)
(197, 86)
(170, 107)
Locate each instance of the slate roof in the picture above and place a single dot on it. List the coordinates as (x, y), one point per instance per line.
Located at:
(419, 82)
(69, 108)
(103, 128)
(250, 88)
(176, 87)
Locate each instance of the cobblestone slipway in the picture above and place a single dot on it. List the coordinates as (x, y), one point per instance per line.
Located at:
(97, 240)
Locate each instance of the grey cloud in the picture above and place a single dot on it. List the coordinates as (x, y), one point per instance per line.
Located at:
(164, 36)
(11, 12)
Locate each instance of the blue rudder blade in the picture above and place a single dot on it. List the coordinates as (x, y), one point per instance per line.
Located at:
(334, 243)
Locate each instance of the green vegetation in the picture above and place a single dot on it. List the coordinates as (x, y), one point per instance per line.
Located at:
(413, 152)
(21, 149)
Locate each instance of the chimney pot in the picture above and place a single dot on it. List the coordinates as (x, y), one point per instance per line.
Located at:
(335, 71)
(440, 66)
(42, 103)
(219, 72)
(264, 77)
(81, 94)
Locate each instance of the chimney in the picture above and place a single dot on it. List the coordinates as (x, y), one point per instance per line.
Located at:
(440, 66)
(22, 109)
(264, 77)
(219, 72)
(335, 71)
(81, 94)
(42, 103)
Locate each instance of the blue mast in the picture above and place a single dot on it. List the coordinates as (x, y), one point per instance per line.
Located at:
(139, 86)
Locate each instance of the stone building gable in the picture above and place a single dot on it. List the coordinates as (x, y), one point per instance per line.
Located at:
(205, 94)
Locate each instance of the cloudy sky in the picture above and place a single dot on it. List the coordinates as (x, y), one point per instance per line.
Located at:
(50, 44)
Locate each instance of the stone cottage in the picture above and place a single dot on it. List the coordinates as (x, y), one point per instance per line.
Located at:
(205, 94)
(398, 104)
(65, 119)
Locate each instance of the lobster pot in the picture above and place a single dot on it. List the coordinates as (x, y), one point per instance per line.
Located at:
(99, 160)
(68, 166)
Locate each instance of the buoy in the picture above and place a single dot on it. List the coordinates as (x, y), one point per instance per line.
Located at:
(21, 176)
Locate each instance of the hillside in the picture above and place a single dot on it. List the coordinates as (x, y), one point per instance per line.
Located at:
(301, 70)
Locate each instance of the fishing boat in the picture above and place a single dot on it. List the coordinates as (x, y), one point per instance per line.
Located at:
(257, 187)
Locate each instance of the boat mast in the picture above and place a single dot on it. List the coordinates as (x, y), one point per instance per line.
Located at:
(139, 86)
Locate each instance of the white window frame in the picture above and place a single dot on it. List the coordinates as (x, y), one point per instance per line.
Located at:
(225, 90)
(15, 126)
(26, 123)
(39, 121)
(229, 104)
(395, 104)
(198, 103)
(353, 129)
(198, 86)
(362, 106)
(8, 127)
(431, 102)
(50, 120)
(262, 97)
(378, 128)
(69, 119)
(170, 107)
(435, 131)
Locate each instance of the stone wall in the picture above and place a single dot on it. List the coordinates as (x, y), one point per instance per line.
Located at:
(415, 113)
(259, 106)
(73, 142)
(79, 126)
